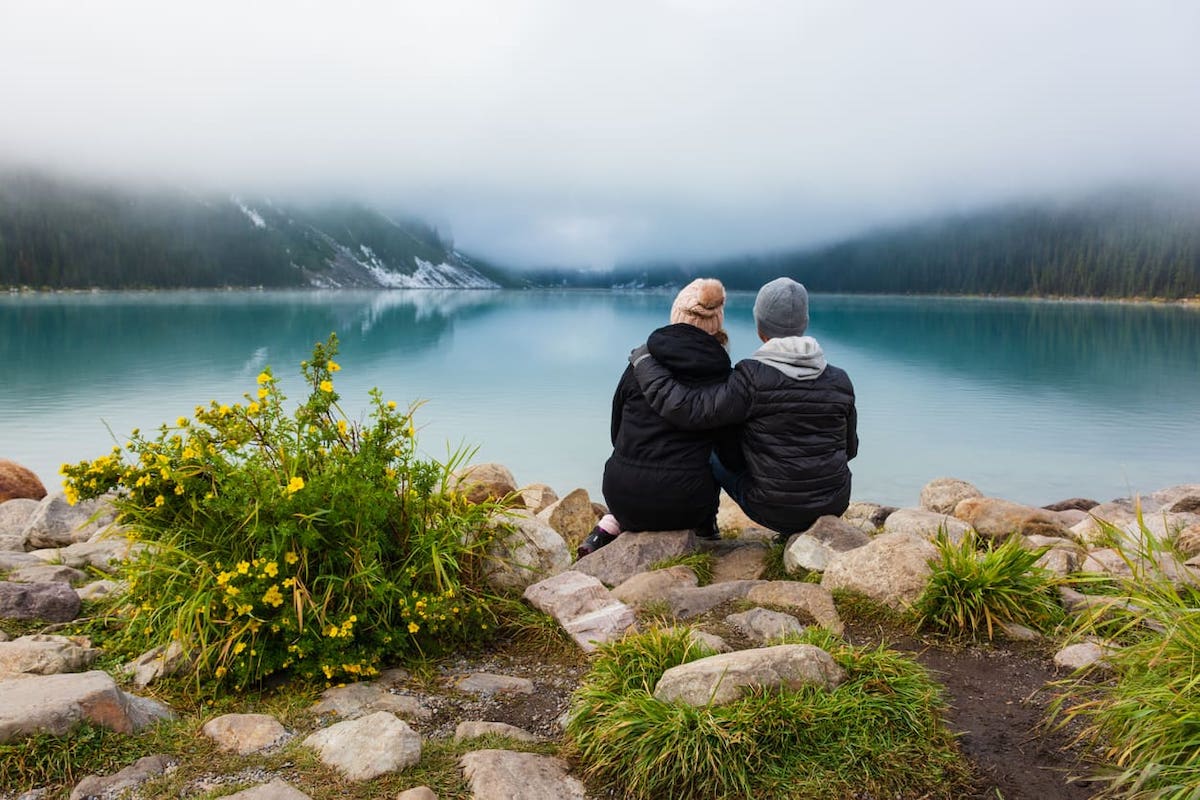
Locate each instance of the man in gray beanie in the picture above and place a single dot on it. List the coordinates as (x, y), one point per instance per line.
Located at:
(798, 424)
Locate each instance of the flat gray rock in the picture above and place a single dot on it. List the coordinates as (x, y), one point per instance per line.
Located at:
(56, 703)
(275, 790)
(742, 561)
(45, 655)
(925, 524)
(688, 601)
(805, 553)
(359, 699)
(473, 729)
(53, 602)
(362, 749)
(650, 586)
(582, 606)
(815, 601)
(245, 733)
(137, 773)
(46, 573)
(487, 684)
(724, 678)
(632, 553)
(105, 553)
(1082, 654)
(763, 626)
(837, 534)
(506, 775)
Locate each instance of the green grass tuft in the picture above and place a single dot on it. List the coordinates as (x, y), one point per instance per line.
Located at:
(1145, 719)
(971, 590)
(878, 734)
(699, 563)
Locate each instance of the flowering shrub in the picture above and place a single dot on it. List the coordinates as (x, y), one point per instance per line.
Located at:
(304, 543)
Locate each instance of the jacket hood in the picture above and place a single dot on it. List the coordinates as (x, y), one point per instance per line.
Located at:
(689, 353)
(798, 357)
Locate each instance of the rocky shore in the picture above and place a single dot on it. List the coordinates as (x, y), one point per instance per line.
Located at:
(54, 557)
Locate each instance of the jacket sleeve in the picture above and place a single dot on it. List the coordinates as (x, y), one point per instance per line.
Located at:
(618, 404)
(713, 405)
(851, 429)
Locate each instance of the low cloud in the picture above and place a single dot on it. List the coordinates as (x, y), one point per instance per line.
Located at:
(588, 134)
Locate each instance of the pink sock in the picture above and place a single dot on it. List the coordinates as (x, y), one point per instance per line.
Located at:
(608, 523)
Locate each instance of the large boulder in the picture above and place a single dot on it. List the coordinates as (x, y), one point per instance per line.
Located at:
(55, 704)
(631, 553)
(57, 523)
(999, 519)
(724, 678)
(19, 483)
(942, 495)
(806, 554)
(572, 516)
(365, 748)
(736, 559)
(692, 601)
(482, 482)
(526, 551)
(104, 553)
(893, 569)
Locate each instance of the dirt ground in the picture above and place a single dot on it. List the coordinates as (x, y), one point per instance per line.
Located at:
(998, 695)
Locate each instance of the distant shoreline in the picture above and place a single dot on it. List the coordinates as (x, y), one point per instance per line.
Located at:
(1186, 302)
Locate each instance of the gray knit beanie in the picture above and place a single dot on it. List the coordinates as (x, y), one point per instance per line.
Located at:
(781, 309)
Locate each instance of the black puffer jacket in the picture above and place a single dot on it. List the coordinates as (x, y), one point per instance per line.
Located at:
(796, 438)
(658, 477)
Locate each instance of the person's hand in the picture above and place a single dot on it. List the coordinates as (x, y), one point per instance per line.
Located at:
(638, 353)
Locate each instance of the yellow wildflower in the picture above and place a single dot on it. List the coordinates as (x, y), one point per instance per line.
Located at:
(326, 386)
(273, 597)
(264, 377)
(295, 485)
(223, 410)
(334, 366)
(181, 421)
(413, 627)
(160, 500)
(391, 404)
(262, 393)
(244, 609)
(253, 408)
(271, 569)
(290, 557)
(220, 672)
(239, 647)
(243, 567)
(341, 426)
(232, 591)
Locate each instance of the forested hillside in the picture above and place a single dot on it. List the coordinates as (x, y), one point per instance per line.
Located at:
(1114, 245)
(57, 233)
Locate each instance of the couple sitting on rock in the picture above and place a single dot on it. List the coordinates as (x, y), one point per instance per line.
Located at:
(775, 432)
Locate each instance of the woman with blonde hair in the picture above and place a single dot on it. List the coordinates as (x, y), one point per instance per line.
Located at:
(658, 477)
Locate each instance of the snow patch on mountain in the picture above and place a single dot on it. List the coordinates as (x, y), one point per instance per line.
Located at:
(250, 213)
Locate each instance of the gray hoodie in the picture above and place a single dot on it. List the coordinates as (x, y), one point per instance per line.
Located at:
(798, 357)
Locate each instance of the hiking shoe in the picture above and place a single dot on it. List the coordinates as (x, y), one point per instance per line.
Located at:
(596, 539)
(709, 532)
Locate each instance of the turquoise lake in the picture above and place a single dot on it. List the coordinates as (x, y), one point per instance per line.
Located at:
(1034, 401)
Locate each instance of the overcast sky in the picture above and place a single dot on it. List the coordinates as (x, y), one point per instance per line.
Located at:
(588, 133)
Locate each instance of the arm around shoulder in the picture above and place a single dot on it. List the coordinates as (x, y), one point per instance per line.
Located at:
(693, 407)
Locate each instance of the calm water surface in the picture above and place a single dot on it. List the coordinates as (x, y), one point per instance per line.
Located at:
(1033, 401)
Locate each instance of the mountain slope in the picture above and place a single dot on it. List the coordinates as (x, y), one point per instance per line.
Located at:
(1116, 244)
(67, 234)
